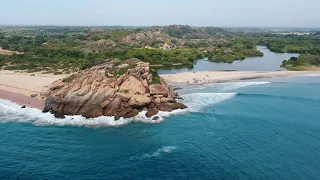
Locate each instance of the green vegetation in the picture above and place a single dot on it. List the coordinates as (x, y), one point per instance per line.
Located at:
(292, 44)
(70, 78)
(303, 62)
(155, 77)
(307, 46)
(126, 91)
(157, 56)
(70, 49)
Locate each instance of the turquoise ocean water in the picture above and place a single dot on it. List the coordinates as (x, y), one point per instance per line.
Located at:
(266, 129)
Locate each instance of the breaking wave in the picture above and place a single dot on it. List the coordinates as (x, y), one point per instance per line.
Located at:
(308, 75)
(196, 101)
(222, 87)
(12, 112)
(158, 152)
(237, 85)
(284, 97)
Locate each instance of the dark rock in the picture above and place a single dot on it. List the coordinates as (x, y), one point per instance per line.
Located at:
(24, 106)
(45, 110)
(177, 88)
(132, 113)
(117, 117)
(155, 118)
(151, 112)
(170, 106)
(34, 95)
(58, 115)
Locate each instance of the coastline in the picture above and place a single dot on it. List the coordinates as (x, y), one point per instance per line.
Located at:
(22, 99)
(210, 77)
(18, 87)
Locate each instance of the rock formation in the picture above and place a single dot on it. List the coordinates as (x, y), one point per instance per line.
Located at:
(108, 90)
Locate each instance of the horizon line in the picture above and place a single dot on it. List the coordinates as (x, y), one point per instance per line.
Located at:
(62, 25)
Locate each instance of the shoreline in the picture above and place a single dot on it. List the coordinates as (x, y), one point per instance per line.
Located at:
(211, 77)
(18, 87)
(26, 83)
(22, 99)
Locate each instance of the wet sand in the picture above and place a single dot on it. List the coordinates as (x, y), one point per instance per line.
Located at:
(25, 83)
(22, 99)
(18, 87)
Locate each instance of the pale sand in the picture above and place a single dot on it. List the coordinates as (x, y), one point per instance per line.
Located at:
(22, 99)
(8, 52)
(207, 77)
(18, 87)
(24, 83)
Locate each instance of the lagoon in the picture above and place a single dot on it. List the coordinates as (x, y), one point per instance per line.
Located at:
(269, 62)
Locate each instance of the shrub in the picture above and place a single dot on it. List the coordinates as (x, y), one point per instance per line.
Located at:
(155, 77)
(69, 79)
(57, 72)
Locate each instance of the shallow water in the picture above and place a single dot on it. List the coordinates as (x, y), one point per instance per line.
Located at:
(244, 130)
(269, 62)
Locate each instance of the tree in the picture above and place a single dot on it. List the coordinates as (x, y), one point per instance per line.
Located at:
(96, 37)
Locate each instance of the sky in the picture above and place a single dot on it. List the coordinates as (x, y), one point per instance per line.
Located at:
(222, 13)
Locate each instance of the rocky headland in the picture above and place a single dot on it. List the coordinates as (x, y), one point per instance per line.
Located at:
(110, 89)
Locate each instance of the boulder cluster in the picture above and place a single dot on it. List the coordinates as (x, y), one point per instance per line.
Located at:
(108, 90)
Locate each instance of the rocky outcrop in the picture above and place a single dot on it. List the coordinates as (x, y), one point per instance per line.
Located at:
(108, 90)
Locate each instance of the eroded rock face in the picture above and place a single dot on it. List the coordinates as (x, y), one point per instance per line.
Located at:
(96, 92)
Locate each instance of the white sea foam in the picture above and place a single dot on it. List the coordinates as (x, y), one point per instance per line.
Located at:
(237, 85)
(229, 85)
(196, 101)
(158, 152)
(12, 112)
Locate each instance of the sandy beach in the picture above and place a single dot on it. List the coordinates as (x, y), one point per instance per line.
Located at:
(207, 77)
(18, 87)
(22, 99)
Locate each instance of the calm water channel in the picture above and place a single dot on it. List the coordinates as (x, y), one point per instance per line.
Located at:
(269, 62)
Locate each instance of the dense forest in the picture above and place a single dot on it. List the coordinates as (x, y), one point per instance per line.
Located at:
(57, 50)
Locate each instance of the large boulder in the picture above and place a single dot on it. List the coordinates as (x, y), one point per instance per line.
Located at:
(139, 101)
(158, 89)
(170, 106)
(132, 113)
(113, 107)
(152, 111)
(132, 85)
(94, 111)
(109, 90)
